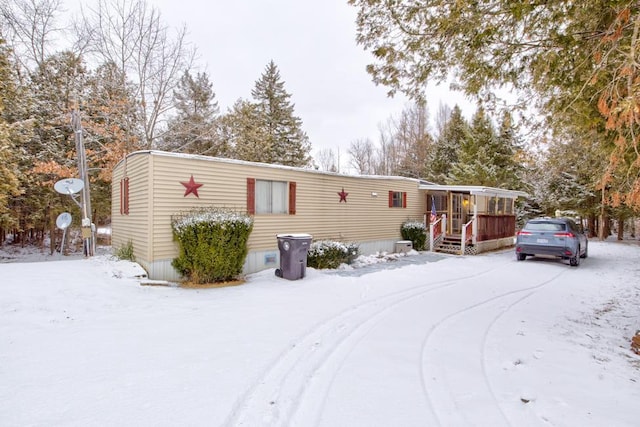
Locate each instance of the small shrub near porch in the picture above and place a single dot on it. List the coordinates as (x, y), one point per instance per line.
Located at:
(213, 244)
(329, 254)
(416, 232)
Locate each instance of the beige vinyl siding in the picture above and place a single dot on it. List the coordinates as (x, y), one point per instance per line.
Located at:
(156, 193)
(222, 187)
(135, 226)
(361, 218)
(318, 210)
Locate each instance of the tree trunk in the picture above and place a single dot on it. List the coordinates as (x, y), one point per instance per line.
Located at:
(592, 226)
(606, 226)
(620, 227)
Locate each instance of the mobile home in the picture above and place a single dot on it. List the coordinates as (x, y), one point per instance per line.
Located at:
(150, 187)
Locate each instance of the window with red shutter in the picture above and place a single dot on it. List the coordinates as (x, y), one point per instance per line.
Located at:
(397, 199)
(266, 197)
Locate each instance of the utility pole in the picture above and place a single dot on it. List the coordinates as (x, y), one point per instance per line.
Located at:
(88, 228)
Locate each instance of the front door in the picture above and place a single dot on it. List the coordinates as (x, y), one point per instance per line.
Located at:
(459, 212)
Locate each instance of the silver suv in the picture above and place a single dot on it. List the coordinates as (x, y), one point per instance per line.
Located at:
(559, 237)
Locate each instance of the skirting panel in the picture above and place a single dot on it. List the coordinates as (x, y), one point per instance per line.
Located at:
(491, 245)
(256, 260)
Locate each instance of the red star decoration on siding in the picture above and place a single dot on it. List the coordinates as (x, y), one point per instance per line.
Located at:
(191, 187)
(343, 196)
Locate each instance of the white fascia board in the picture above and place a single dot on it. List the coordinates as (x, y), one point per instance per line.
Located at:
(476, 190)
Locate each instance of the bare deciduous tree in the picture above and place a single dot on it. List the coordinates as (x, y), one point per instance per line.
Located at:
(413, 140)
(386, 159)
(30, 25)
(327, 160)
(133, 36)
(442, 117)
(362, 152)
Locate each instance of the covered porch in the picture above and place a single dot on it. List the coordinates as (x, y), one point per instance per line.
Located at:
(469, 219)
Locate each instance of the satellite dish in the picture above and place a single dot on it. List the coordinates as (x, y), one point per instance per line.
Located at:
(69, 186)
(64, 220)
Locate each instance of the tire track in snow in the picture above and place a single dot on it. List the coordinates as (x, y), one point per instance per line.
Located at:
(453, 408)
(294, 375)
(486, 335)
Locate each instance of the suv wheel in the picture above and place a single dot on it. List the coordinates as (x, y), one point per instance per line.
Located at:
(575, 260)
(586, 252)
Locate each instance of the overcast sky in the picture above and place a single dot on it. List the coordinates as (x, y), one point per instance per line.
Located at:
(312, 44)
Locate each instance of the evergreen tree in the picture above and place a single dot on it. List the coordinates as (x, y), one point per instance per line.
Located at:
(570, 59)
(569, 175)
(194, 128)
(508, 154)
(242, 130)
(9, 184)
(57, 87)
(111, 118)
(111, 123)
(49, 155)
(445, 153)
(476, 163)
(286, 142)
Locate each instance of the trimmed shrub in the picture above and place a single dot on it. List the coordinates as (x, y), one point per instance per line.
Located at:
(328, 254)
(416, 232)
(213, 244)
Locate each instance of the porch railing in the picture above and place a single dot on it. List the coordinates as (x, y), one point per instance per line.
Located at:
(436, 229)
(491, 227)
(467, 235)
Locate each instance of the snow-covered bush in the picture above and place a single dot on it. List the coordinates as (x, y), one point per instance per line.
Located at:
(416, 232)
(213, 244)
(329, 254)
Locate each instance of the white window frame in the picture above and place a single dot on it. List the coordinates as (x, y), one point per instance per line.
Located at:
(272, 197)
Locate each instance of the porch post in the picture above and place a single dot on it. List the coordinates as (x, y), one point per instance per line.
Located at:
(431, 227)
(464, 239)
(474, 227)
(444, 225)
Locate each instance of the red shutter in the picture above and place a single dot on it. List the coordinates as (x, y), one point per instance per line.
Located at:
(251, 196)
(390, 199)
(124, 196)
(292, 198)
(404, 200)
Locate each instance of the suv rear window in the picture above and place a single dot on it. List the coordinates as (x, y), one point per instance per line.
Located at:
(545, 226)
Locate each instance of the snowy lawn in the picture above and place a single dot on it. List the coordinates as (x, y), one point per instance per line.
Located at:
(460, 341)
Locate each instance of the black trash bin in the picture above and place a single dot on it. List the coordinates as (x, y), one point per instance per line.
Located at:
(293, 255)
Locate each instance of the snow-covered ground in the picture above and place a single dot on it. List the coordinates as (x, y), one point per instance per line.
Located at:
(444, 341)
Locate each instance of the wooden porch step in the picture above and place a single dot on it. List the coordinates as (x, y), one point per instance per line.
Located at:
(449, 249)
(449, 244)
(452, 239)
